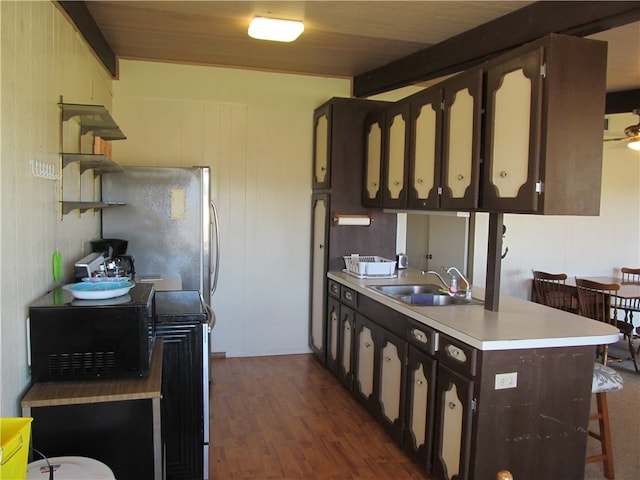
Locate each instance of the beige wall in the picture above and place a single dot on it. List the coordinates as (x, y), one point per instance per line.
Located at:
(42, 58)
(254, 129)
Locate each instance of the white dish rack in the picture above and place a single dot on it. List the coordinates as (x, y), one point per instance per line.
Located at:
(369, 266)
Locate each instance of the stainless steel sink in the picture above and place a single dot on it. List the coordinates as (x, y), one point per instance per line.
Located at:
(421, 295)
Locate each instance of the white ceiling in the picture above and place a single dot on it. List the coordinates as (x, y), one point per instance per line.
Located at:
(341, 39)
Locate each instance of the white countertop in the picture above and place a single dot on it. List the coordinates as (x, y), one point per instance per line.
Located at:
(518, 324)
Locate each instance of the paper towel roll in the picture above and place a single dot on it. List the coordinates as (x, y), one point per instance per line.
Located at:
(360, 220)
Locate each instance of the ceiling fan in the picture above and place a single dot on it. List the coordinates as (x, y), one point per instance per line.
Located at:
(632, 134)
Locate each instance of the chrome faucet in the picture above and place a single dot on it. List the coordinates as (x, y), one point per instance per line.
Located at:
(433, 272)
(453, 287)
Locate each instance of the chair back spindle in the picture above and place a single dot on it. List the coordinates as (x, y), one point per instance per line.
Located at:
(551, 290)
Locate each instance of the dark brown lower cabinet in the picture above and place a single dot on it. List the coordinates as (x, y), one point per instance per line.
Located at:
(443, 401)
(365, 353)
(454, 407)
(380, 374)
(347, 327)
(333, 334)
(419, 417)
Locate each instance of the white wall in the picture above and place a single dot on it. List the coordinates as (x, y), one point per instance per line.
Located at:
(254, 130)
(42, 57)
(587, 246)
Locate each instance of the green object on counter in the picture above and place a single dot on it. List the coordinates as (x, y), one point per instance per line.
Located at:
(56, 262)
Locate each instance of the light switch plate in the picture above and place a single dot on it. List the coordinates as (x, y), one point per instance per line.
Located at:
(506, 380)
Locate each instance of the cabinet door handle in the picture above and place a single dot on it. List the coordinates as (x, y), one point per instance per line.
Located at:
(348, 296)
(387, 359)
(419, 383)
(396, 183)
(452, 405)
(323, 169)
(456, 353)
(419, 336)
(503, 174)
(367, 345)
(420, 180)
(460, 177)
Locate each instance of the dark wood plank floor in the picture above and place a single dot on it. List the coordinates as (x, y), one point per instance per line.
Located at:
(287, 417)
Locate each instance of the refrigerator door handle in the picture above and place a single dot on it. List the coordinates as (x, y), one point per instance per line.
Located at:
(214, 241)
(211, 316)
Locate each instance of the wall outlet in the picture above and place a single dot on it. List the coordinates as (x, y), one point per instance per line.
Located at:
(506, 380)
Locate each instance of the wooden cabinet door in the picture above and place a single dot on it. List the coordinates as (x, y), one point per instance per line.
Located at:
(322, 147)
(365, 360)
(444, 158)
(346, 350)
(425, 151)
(452, 436)
(333, 334)
(420, 406)
(319, 242)
(392, 357)
(373, 154)
(461, 132)
(396, 153)
(513, 134)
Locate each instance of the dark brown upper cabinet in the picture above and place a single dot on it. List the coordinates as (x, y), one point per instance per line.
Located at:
(322, 147)
(396, 155)
(373, 152)
(444, 155)
(543, 128)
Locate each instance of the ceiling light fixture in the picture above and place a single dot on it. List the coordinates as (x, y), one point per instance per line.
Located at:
(275, 29)
(633, 132)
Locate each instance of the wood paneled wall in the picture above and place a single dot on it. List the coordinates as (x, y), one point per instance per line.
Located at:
(254, 129)
(42, 58)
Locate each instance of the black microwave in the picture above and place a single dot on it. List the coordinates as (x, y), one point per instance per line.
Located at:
(72, 339)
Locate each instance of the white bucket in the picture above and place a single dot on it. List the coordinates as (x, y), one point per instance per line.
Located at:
(69, 468)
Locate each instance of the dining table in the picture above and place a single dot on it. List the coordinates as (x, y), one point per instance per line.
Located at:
(628, 292)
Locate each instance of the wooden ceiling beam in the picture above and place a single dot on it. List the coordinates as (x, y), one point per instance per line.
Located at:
(470, 48)
(79, 14)
(622, 102)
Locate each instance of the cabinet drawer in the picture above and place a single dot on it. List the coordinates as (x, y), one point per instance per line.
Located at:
(458, 355)
(334, 289)
(422, 336)
(347, 296)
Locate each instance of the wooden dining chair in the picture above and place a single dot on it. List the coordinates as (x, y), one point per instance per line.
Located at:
(630, 305)
(551, 290)
(600, 301)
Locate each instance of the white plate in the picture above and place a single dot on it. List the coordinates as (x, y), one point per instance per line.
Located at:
(99, 291)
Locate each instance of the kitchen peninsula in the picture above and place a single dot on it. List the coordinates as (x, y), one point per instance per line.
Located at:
(467, 391)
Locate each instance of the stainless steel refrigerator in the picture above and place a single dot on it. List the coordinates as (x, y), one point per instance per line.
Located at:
(171, 225)
(169, 221)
